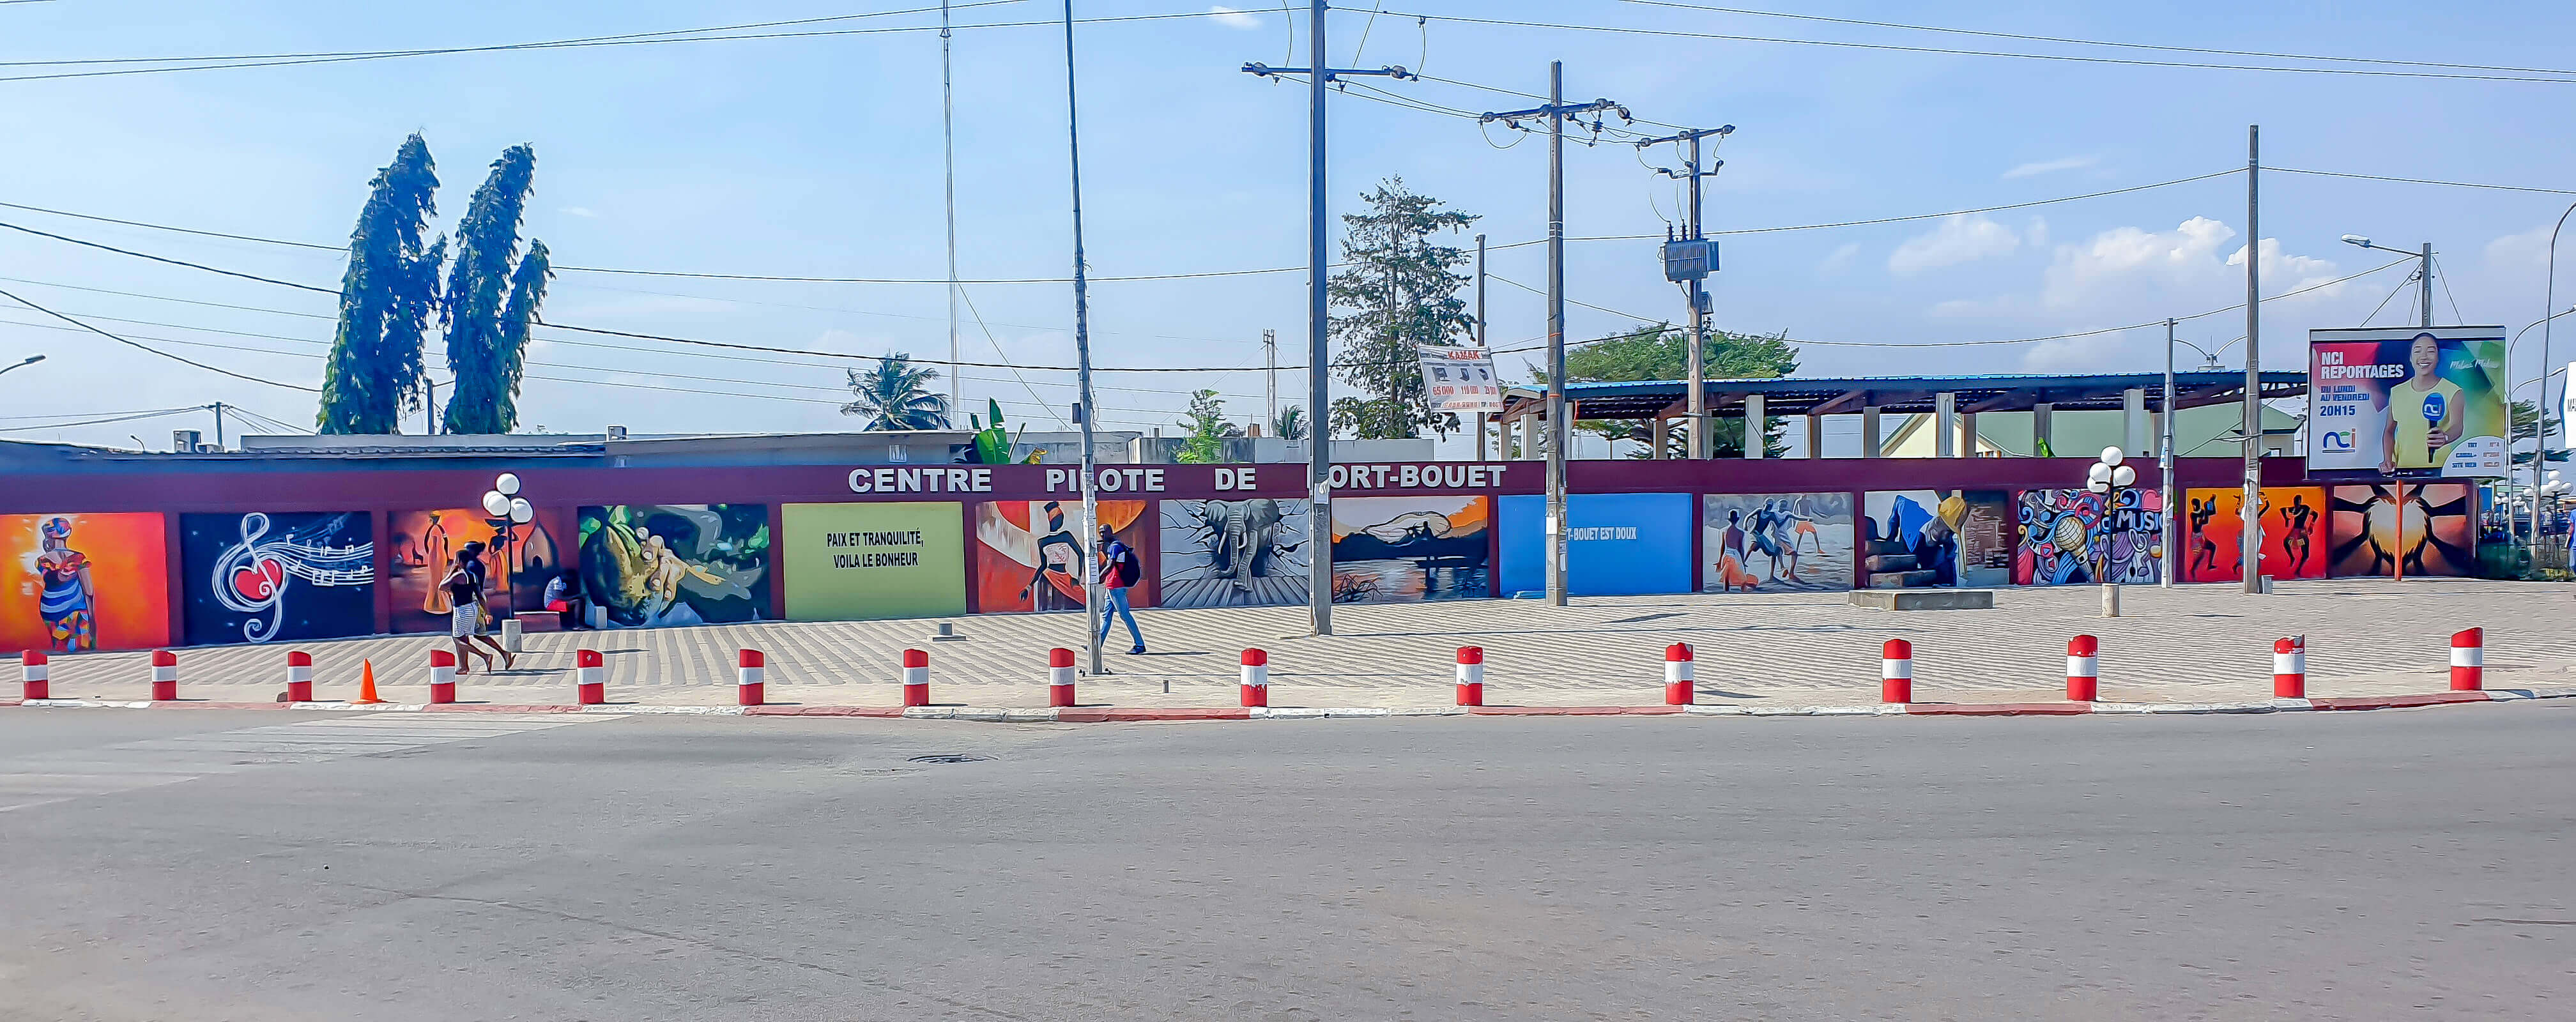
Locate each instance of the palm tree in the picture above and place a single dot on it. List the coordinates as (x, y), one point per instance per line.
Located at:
(1291, 423)
(895, 394)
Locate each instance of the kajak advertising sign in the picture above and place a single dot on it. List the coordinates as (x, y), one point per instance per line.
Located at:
(1460, 379)
(2406, 402)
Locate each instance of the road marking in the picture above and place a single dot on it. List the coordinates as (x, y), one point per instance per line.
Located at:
(42, 779)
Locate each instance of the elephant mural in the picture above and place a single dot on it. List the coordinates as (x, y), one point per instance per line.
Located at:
(1234, 553)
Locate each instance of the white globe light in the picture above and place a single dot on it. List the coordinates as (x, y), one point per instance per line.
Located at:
(2099, 473)
(521, 511)
(2112, 455)
(2553, 475)
(2098, 486)
(495, 504)
(2123, 475)
(508, 484)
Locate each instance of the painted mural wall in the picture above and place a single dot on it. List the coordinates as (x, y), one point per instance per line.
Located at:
(1235, 553)
(658, 565)
(1765, 542)
(84, 581)
(266, 577)
(1411, 548)
(865, 562)
(1031, 556)
(1918, 538)
(2432, 525)
(517, 560)
(2294, 534)
(2076, 536)
(1616, 544)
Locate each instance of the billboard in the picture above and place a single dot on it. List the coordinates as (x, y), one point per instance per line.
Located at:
(1459, 379)
(660, 565)
(84, 581)
(1616, 544)
(266, 576)
(1030, 554)
(1767, 542)
(863, 562)
(2406, 403)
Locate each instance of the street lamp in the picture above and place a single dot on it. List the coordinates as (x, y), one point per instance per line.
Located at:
(2107, 477)
(2540, 430)
(508, 511)
(2549, 300)
(2423, 273)
(23, 363)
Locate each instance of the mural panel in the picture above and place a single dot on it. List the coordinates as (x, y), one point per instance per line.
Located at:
(1918, 538)
(1030, 554)
(656, 565)
(2076, 536)
(1765, 542)
(84, 581)
(261, 577)
(516, 562)
(1235, 553)
(864, 562)
(2431, 523)
(1616, 544)
(1411, 548)
(2294, 534)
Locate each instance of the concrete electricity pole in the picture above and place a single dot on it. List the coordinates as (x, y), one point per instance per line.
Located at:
(1480, 335)
(1319, 437)
(1082, 355)
(1694, 281)
(1270, 356)
(1555, 111)
(2165, 461)
(2250, 534)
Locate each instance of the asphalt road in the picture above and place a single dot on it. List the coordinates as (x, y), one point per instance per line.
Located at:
(2364, 865)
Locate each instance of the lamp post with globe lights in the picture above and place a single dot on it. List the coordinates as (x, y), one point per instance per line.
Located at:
(507, 510)
(2108, 477)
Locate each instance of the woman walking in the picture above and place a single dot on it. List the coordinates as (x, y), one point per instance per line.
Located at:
(464, 586)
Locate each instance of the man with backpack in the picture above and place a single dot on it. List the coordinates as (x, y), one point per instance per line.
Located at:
(1119, 570)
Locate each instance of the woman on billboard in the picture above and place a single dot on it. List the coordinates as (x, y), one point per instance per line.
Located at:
(2424, 412)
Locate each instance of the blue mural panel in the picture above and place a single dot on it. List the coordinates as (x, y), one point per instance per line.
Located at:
(1617, 544)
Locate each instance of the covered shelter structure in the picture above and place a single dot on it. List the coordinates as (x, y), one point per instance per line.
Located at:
(1954, 402)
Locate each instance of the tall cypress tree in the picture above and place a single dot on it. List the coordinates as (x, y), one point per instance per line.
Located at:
(386, 298)
(1402, 291)
(489, 302)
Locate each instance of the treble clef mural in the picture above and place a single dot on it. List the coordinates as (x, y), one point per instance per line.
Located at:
(259, 577)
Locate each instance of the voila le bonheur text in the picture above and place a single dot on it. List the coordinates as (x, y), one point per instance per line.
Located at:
(876, 558)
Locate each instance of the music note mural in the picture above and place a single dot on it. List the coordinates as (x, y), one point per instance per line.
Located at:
(267, 576)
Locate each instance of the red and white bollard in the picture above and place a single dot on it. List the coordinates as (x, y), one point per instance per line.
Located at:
(2290, 667)
(916, 678)
(299, 676)
(1256, 678)
(1680, 688)
(1471, 675)
(2083, 668)
(33, 676)
(165, 675)
(442, 676)
(2468, 660)
(751, 678)
(590, 678)
(1059, 677)
(1896, 672)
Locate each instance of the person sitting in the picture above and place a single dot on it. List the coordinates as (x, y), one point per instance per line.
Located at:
(563, 596)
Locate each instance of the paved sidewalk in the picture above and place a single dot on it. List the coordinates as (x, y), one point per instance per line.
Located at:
(2193, 644)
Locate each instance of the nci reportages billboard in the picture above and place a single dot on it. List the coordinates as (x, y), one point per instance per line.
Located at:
(2406, 403)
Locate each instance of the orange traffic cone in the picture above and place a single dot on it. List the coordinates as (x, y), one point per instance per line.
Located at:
(366, 684)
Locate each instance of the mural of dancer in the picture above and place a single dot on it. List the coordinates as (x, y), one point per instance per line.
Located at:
(420, 544)
(259, 577)
(2293, 520)
(2432, 526)
(84, 581)
(2076, 536)
(1776, 541)
(1030, 555)
(1234, 553)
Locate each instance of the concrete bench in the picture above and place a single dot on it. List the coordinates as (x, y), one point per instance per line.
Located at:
(1924, 599)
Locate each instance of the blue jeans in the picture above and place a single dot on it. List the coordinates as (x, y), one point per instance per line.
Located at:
(1118, 608)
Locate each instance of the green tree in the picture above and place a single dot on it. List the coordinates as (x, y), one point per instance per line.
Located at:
(386, 299)
(1207, 428)
(492, 297)
(1662, 352)
(895, 394)
(1290, 424)
(2527, 425)
(1401, 291)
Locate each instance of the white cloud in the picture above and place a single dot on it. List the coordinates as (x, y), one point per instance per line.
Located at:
(1959, 239)
(1840, 259)
(2286, 273)
(579, 211)
(2051, 166)
(2038, 232)
(2120, 261)
(1231, 18)
(2528, 250)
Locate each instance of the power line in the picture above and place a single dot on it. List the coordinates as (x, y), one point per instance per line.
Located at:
(2097, 42)
(156, 351)
(101, 422)
(2423, 181)
(66, 415)
(173, 262)
(1950, 51)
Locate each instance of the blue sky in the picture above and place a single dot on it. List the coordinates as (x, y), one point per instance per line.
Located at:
(820, 156)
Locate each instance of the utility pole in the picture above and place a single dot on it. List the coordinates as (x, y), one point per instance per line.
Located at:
(1693, 278)
(219, 424)
(1082, 354)
(1319, 438)
(2250, 529)
(1270, 354)
(2426, 286)
(1480, 335)
(2165, 459)
(429, 410)
(1555, 111)
(948, 149)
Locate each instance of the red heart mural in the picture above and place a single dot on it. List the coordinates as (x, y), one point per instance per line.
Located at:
(260, 581)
